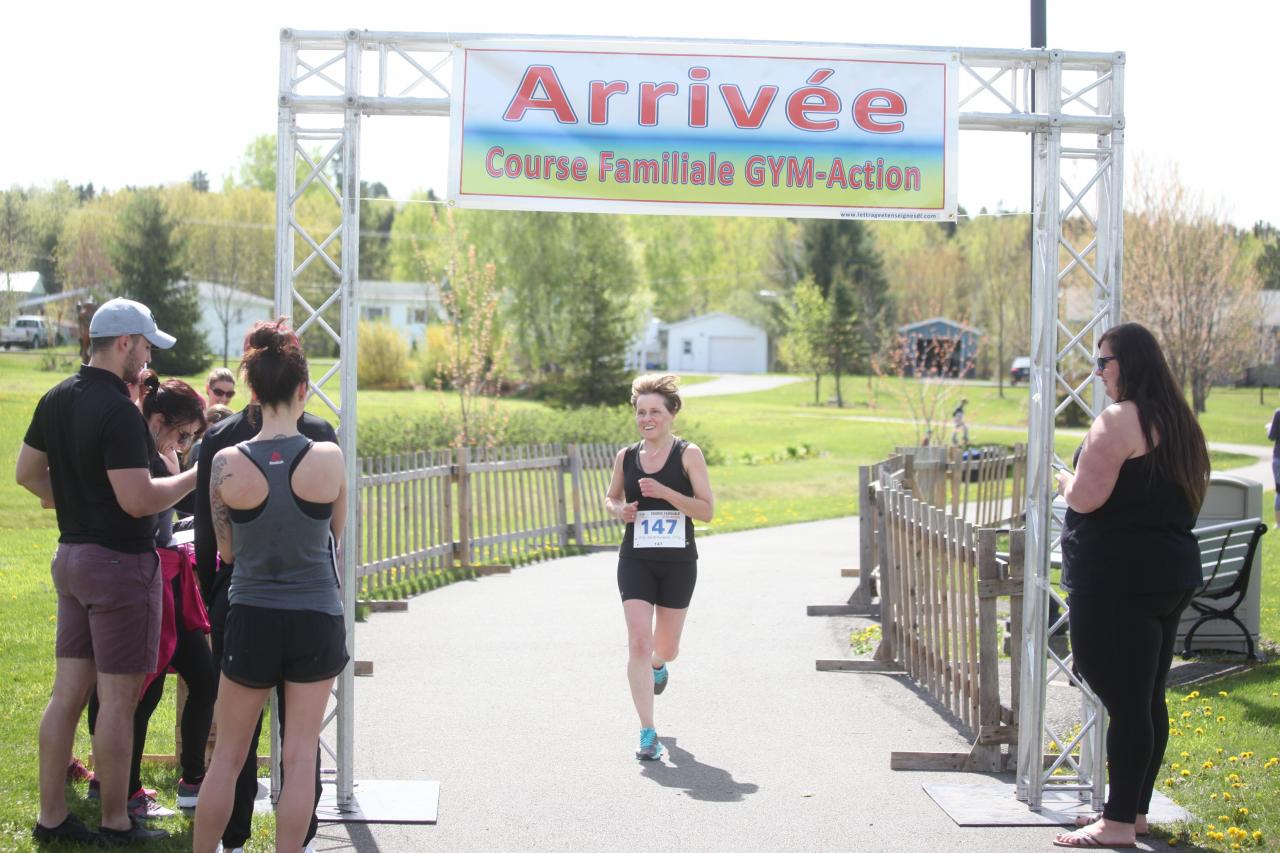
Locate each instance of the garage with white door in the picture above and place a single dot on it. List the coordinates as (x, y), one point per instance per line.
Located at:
(717, 343)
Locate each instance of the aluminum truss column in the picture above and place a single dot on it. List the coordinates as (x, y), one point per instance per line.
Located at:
(347, 428)
(1045, 224)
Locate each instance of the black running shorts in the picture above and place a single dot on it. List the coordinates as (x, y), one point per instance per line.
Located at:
(265, 646)
(666, 584)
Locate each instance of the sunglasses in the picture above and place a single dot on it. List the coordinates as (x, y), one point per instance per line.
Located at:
(185, 437)
(1102, 361)
(224, 395)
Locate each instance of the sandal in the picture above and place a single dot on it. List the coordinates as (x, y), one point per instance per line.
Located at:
(1080, 838)
(1090, 819)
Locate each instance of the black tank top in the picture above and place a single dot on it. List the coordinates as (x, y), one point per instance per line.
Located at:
(672, 475)
(1139, 541)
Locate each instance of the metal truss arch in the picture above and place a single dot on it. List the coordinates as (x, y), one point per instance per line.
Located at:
(1070, 102)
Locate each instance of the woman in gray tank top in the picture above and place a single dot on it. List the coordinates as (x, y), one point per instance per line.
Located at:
(278, 503)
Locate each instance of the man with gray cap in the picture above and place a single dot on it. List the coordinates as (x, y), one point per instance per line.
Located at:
(87, 453)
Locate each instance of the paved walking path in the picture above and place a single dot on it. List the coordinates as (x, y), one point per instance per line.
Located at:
(511, 691)
(739, 383)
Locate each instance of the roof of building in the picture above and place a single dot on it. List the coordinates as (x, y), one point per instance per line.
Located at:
(27, 281)
(946, 321)
(714, 315)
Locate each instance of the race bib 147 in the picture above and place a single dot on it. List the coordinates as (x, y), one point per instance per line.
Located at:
(659, 528)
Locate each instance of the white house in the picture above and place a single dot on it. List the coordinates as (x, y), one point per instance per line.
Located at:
(406, 305)
(716, 343)
(226, 315)
(648, 349)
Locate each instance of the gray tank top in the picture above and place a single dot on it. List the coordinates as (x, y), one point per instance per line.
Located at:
(285, 553)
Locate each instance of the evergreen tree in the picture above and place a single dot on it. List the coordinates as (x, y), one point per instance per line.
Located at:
(596, 287)
(845, 345)
(844, 249)
(146, 253)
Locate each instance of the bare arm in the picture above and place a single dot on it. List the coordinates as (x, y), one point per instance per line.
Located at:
(337, 523)
(218, 509)
(701, 505)
(32, 473)
(615, 500)
(1114, 436)
(139, 494)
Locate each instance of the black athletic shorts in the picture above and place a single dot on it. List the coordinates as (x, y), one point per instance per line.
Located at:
(265, 646)
(666, 584)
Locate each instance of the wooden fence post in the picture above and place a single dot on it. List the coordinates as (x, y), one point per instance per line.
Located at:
(986, 750)
(576, 486)
(562, 508)
(463, 478)
(866, 538)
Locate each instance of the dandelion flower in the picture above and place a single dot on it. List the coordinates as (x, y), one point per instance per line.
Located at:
(1242, 811)
(1199, 730)
(1208, 765)
(1222, 693)
(1221, 719)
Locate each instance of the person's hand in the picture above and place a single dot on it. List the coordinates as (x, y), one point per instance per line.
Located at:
(1061, 479)
(628, 513)
(651, 488)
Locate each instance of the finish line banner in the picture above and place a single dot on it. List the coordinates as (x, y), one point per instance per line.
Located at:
(726, 130)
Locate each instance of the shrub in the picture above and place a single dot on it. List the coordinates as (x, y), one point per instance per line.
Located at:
(433, 356)
(384, 357)
(614, 425)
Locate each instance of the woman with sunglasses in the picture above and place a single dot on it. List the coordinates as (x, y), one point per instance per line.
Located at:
(220, 387)
(1131, 564)
(174, 414)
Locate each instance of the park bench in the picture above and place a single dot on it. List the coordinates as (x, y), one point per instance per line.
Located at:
(1226, 559)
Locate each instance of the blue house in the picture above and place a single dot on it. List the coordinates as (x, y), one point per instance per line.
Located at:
(939, 346)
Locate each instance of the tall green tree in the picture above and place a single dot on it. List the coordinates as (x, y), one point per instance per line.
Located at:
(1267, 262)
(844, 344)
(377, 216)
(549, 266)
(147, 256)
(15, 245)
(843, 250)
(803, 348)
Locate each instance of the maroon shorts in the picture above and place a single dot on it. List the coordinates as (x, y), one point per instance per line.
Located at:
(109, 607)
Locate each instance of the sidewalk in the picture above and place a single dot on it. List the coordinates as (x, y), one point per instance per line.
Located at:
(511, 692)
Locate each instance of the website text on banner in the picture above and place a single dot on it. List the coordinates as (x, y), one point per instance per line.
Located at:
(725, 131)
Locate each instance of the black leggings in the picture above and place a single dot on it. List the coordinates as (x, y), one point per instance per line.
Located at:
(194, 662)
(1123, 647)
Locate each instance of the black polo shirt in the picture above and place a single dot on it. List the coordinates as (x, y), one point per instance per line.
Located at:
(241, 426)
(87, 425)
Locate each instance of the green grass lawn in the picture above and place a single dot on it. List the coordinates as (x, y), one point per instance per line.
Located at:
(754, 488)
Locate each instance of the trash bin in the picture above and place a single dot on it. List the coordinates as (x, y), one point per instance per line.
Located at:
(1230, 498)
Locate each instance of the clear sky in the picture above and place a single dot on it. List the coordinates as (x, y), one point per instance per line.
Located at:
(132, 92)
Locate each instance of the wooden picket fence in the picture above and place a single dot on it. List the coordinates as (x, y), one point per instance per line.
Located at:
(985, 485)
(938, 534)
(940, 582)
(480, 509)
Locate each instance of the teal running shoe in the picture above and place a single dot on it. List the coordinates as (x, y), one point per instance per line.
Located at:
(650, 748)
(660, 677)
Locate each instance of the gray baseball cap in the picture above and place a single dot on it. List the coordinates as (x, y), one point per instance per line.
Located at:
(126, 317)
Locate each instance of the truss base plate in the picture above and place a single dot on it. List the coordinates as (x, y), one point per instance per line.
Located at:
(382, 801)
(997, 805)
